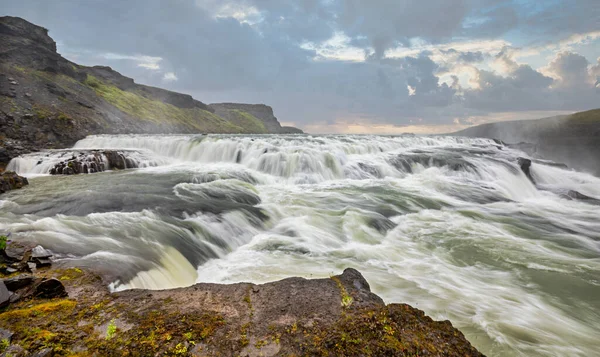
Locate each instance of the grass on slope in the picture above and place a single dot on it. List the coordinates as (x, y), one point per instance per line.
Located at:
(249, 122)
(159, 112)
(589, 116)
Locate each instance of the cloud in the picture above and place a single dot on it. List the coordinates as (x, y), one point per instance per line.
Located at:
(331, 62)
(170, 76)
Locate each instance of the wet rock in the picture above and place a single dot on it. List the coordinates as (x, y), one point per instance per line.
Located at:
(51, 288)
(4, 295)
(94, 161)
(525, 165)
(10, 180)
(17, 252)
(19, 282)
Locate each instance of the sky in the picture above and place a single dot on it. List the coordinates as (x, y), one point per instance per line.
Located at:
(346, 66)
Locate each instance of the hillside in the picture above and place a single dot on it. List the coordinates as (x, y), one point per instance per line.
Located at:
(572, 139)
(47, 101)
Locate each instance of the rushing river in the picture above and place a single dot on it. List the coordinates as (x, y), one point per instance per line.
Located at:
(449, 225)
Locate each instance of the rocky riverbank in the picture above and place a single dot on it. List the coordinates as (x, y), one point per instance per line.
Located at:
(336, 316)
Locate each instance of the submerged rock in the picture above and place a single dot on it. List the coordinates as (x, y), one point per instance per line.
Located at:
(9, 180)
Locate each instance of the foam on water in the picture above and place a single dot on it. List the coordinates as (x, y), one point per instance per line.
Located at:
(449, 225)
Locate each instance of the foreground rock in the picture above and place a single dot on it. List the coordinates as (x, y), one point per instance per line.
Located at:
(10, 180)
(338, 316)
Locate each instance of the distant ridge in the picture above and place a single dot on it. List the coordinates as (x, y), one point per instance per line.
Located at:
(47, 101)
(572, 139)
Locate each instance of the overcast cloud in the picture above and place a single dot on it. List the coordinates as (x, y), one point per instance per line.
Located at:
(343, 65)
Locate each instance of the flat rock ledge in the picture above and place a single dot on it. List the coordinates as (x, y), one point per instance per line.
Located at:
(10, 180)
(336, 316)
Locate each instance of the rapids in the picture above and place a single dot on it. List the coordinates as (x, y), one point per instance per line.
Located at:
(449, 225)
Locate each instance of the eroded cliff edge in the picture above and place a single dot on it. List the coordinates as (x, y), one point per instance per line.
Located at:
(47, 101)
(337, 316)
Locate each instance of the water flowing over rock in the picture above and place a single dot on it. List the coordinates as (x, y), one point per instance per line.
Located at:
(450, 225)
(94, 161)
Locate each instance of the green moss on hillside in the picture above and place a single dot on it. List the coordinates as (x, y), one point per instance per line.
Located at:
(158, 112)
(590, 116)
(249, 122)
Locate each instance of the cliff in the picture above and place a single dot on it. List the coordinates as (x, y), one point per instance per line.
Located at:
(66, 311)
(47, 101)
(235, 112)
(571, 139)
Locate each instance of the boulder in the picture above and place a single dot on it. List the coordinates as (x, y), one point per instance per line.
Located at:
(10, 180)
(51, 288)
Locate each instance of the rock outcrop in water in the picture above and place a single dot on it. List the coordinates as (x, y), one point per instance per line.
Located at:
(47, 101)
(337, 316)
(92, 161)
(10, 181)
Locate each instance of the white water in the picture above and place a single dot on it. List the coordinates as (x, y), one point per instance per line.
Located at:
(449, 225)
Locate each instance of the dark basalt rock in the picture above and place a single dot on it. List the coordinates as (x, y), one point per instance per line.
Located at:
(19, 282)
(4, 295)
(51, 288)
(90, 162)
(525, 165)
(10, 180)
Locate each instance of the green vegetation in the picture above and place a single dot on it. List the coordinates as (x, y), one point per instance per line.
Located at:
(590, 116)
(3, 240)
(111, 329)
(137, 105)
(41, 112)
(4, 344)
(249, 122)
(347, 300)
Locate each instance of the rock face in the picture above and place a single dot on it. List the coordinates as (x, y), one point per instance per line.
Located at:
(260, 111)
(337, 316)
(49, 102)
(10, 181)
